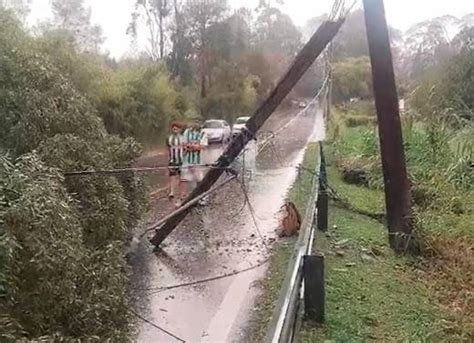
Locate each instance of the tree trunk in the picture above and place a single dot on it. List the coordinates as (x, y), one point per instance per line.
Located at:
(174, 54)
(162, 39)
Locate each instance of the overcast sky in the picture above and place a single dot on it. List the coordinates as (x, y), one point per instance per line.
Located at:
(114, 15)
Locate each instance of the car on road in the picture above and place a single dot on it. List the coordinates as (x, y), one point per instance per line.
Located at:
(239, 125)
(216, 130)
(302, 104)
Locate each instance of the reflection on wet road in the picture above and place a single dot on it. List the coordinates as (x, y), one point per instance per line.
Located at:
(219, 239)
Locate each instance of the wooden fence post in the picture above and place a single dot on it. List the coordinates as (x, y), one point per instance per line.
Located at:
(314, 290)
(322, 203)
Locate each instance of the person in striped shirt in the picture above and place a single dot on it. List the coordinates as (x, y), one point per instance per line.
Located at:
(176, 145)
(195, 141)
(194, 138)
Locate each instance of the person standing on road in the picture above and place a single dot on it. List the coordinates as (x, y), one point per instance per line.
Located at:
(195, 141)
(175, 143)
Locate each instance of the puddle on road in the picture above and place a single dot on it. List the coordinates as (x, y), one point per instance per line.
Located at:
(220, 239)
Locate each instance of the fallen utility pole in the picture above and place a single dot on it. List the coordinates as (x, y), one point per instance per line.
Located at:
(313, 48)
(188, 204)
(397, 189)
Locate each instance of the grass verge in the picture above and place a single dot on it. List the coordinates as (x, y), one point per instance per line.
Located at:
(373, 294)
(370, 292)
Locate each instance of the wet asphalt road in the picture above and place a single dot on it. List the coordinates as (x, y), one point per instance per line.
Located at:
(220, 238)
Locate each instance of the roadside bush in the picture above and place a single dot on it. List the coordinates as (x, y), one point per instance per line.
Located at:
(355, 171)
(445, 92)
(353, 121)
(55, 284)
(336, 127)
(134, 98)
(363, 108)
(61, 240)
(352, 79)
(439, 164)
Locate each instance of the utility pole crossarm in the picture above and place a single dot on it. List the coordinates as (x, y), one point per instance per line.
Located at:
(313, 48)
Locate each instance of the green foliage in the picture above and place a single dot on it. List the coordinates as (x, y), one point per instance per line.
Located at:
(134, 98)
(232, 94)
(61, 240)
(371, 292)
(353, 121)
(150, 103)
(443, 216)
(444, 95)
(431, 155)
(439, 163)
(257, 64)
(56, 284)
(36, 101)
(352, 79)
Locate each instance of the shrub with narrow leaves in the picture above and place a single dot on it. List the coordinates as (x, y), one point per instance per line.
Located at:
(63, 275)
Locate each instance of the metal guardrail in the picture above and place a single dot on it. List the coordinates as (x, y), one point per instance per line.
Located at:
(282, 325)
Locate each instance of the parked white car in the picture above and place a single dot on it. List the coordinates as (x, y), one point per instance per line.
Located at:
(239, 125)
(216, 130)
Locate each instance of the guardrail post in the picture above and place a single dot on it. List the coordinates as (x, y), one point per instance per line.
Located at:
(314, 292)
(322, 203)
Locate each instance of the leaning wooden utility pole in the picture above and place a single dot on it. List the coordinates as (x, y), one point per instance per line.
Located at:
(397, 188)
(302, 62)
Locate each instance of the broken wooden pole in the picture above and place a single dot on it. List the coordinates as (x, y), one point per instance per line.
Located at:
(397, 190)
(313, 48)
(314, 291)
(189, 204)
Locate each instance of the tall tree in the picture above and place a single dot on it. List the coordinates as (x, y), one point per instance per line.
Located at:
(179, 59)
(277, 39)
(200, 16)
(433, 42)
(20, 7)
(427, 44)
(155, 13)
(276, 33)
(75, 18)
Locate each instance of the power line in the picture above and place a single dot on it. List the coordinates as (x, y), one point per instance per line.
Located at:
(111, 172)
(201, 281)
(149, 322)
(252, 214)
(266, 141)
